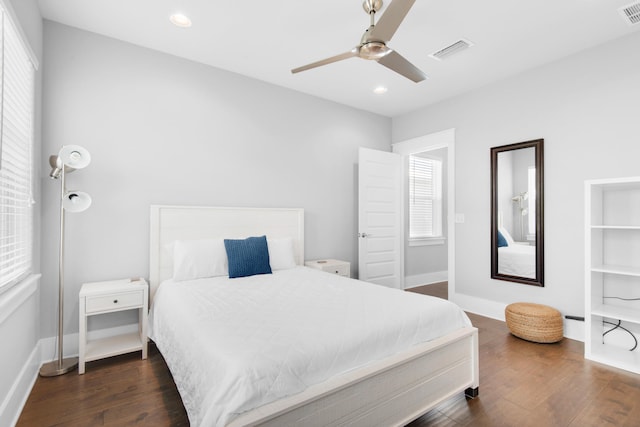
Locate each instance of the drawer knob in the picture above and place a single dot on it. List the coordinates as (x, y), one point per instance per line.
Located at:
(115, 301)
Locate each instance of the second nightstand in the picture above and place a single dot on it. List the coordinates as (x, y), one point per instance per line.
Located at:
(335, 266)
(110, 297)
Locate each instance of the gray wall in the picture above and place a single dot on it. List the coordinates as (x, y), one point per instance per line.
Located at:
(163, 130)
(586, 108)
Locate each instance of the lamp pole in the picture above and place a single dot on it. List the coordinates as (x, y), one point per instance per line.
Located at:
(61, 365)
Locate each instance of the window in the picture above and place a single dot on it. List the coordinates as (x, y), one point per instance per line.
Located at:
(16, 155)
(425, 198)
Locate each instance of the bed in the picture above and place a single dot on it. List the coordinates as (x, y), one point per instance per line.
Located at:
(248, 351)
(517, 260)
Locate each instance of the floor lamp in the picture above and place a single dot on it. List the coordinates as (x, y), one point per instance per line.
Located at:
(70, 158)
(519, 199)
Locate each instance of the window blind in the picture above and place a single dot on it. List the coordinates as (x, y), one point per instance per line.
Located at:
(16, 155)
(425, 197)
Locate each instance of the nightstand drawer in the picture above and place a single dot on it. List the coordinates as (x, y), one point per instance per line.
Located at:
(333, 266)
(341, 270)
(114, 302)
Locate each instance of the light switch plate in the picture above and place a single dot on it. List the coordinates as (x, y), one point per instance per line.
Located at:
(459, 218)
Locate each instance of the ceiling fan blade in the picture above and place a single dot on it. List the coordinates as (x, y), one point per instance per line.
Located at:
(353, 52)
(391, 20)
(396, 62)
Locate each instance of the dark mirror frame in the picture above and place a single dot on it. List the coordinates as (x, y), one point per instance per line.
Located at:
(539, 151)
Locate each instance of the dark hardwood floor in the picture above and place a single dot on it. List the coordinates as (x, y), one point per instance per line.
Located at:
(118, 391)
(521, 384)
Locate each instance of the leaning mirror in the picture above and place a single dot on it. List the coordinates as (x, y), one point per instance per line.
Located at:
(517, 213)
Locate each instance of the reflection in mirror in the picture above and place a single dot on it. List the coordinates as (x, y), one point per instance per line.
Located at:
(517, 252)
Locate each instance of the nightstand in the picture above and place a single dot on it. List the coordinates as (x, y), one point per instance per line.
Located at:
(335, 266)
(110, 297)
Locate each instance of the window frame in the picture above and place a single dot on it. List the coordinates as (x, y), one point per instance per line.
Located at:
(437, 201)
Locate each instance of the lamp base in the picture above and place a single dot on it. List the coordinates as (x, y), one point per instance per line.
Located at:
(53, 369)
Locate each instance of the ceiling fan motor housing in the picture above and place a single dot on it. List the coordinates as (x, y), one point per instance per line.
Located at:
(372, 6)
(373, 50)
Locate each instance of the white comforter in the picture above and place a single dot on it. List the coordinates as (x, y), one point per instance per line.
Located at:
(236, 344)
(517, 260)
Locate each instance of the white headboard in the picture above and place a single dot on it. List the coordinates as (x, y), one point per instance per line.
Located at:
(171, 223)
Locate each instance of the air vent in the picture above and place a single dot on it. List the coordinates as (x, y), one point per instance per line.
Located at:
(631, 13)
(452, 49)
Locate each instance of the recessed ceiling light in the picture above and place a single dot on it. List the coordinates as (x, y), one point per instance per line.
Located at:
(180, 20)
(380, 90)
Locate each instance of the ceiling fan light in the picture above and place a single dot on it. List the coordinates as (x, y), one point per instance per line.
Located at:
(374, 50)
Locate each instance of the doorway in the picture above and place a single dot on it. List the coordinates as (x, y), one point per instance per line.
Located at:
(429, 257)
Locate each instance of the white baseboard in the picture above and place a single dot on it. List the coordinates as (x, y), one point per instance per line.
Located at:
(425, 279)
(574, 329)
(11, 407)
(49, 347)
(483, 307)
(495, 310)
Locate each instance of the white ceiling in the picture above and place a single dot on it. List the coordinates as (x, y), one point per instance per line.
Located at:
(266, 40)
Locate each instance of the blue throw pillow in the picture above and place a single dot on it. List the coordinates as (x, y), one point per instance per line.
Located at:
(501, 240)
(247, 257)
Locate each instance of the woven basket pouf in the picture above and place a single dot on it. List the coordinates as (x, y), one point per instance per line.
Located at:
(534, 322)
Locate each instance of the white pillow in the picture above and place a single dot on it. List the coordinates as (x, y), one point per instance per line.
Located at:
(506, 235)
(281, 256)
(195, 259)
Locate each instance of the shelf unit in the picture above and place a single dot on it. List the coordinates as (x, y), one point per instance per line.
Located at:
(612, 271)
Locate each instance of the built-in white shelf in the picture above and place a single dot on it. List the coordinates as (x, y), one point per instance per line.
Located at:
(616, 312)
(617, 269)
(612, 208)
(615, 227)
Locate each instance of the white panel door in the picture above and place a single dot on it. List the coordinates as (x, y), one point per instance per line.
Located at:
(380, 233)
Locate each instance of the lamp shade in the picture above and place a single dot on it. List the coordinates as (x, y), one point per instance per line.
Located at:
(76, 201)
(55, 169)
(74, 156)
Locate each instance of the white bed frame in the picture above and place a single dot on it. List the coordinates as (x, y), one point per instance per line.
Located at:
(391, 392)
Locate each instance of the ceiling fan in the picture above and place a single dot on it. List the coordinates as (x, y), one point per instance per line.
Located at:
(373, 44)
